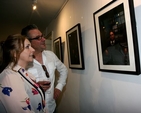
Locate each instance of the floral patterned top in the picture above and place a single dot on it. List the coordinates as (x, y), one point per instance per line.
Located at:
(19, 93)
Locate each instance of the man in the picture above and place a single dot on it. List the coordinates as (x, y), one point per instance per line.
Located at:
(112, 38)
(117, 54)
(44, 64)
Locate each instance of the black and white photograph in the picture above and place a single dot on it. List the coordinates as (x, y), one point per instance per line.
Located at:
(116, 38)
(75, 50)
(57, 47)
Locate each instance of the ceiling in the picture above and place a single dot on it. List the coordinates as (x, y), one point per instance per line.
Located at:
(16, 14)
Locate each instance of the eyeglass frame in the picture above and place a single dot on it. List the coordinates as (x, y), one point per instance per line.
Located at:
(45, 70)
(37, 38)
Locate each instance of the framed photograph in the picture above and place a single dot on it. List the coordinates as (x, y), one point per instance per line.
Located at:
(116, 38)
(57, 47)
(74, 45)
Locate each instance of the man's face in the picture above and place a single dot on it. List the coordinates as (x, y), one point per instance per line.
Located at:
(112, 36)
(38, 41)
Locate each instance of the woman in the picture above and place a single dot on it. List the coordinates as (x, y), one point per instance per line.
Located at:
(18, 91)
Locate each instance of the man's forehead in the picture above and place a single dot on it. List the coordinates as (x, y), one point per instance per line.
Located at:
(34, 32)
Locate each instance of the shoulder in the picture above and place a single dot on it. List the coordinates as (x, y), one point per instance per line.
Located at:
(8, 75)
(50, 55)
(7, 71)
(47, 52)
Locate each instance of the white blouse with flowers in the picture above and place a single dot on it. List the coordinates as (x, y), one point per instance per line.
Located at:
(19, 93)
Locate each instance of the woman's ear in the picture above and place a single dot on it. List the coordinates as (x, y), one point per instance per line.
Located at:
(13, 53)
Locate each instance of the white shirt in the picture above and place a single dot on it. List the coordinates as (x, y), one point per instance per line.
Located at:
(19, 93)
(52, 63)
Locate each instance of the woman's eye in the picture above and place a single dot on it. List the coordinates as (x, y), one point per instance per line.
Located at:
(27, 47)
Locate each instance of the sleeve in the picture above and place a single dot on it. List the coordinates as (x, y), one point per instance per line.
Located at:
(63, 72)
(107, 56)
(13, 95)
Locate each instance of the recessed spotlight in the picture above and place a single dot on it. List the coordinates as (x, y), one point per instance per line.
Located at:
(34, 7)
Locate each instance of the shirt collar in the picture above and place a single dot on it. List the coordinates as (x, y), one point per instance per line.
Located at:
(43, 57)
(15, 68)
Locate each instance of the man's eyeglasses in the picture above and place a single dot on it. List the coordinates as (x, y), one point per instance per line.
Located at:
(45, 69)
(37, 37)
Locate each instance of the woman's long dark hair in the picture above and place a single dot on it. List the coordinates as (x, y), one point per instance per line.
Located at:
(12, 47)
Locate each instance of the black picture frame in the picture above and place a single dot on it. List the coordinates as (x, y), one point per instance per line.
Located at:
(123, 57)
(57, 47)
(74, 47)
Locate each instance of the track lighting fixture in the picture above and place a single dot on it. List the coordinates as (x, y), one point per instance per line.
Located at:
(34, 4)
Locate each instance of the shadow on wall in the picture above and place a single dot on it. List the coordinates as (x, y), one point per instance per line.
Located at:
(106, 98)
(86, 90)
(138, 21)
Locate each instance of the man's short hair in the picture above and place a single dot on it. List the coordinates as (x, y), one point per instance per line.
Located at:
(28, 28)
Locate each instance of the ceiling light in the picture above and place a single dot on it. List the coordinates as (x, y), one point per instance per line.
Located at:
(34, 7)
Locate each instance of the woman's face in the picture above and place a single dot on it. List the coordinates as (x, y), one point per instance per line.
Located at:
(26, 55)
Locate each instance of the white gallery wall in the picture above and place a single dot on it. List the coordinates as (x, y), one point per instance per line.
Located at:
(90, 90)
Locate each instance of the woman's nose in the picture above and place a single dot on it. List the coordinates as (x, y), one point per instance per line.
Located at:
(32, 49)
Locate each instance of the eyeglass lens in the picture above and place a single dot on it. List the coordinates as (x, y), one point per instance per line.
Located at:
(38, 37)
(45, 69)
